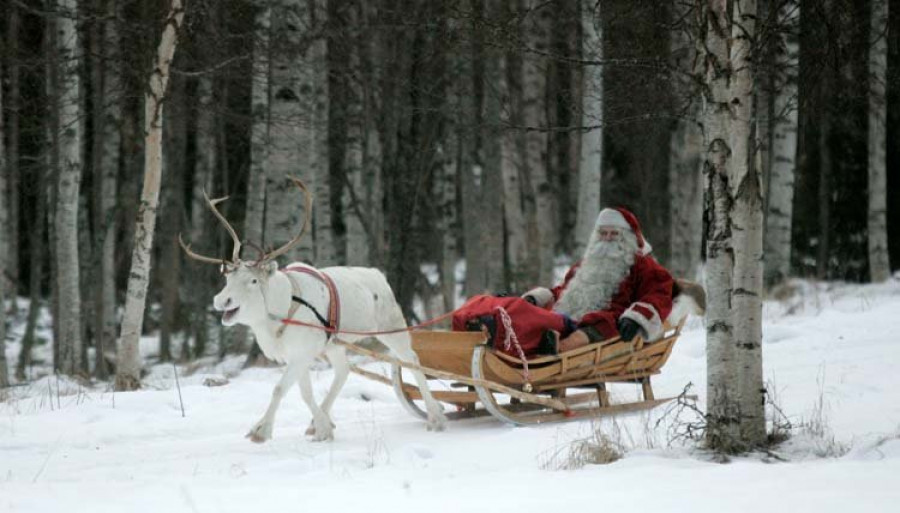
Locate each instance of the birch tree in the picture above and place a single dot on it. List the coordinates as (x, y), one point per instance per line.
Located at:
(780, 190)
(128, 368)
(879, 263)
(292, 129)
(686, 143)
(591, 162)
(67, 97)
(735, 413)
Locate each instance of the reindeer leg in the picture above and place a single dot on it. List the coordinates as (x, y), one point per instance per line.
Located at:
(320, 420)
(262, 430)
(337, 356)
(401, 345)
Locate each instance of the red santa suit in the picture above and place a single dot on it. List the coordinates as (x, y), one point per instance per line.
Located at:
(632, 286)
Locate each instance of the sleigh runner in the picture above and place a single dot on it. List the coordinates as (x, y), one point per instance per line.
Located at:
(528, 392)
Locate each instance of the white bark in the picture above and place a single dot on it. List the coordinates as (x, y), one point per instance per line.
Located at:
(780, 190)
(67, 97)
(534, 86)
(591, 163)
(734, 357)
(747, 224)
(879, 263)
(128, 365)
(685, 169)
(292, 132)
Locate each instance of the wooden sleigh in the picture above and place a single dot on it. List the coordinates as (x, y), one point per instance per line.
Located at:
(569, 386)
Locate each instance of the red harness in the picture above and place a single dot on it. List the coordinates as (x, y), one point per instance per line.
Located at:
(334, 303)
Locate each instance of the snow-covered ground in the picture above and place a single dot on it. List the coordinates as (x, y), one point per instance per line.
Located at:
(832, 362)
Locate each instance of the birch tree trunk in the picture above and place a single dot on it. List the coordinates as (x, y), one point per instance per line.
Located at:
(591, 162)
(292, 131)
(67, 96)
(108, 137)
(780, 190)
(879, 263)
(534, 87)
(735, 413)
(747, 224)
(686, 144)
(128, 367)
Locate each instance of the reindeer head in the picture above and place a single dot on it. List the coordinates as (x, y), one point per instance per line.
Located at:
(243, 299)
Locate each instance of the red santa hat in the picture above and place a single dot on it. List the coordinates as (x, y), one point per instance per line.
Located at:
(622, 218)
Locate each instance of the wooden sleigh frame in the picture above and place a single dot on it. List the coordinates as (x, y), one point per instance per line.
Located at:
(501, 386)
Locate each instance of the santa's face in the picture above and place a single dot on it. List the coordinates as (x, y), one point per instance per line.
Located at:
(607, 242)
(606, 262)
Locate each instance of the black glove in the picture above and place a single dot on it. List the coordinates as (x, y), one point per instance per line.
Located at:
(531, 300)
(628, 329)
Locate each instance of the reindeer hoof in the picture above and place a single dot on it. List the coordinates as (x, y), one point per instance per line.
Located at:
(260, 433)
(311, 430)
(437, 423)
(322, 432)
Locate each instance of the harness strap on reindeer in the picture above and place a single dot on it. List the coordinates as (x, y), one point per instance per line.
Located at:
(334, 303)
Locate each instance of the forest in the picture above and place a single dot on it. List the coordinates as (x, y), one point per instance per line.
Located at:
(431, 133)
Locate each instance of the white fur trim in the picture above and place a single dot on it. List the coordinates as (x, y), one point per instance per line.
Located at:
(652, 327)
(542, 295)
(682, 306)
(612, 217)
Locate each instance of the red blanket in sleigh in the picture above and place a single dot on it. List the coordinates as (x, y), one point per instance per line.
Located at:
(499, 314)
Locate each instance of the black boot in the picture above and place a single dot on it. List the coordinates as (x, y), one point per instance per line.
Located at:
(548, 344)
(484, 323)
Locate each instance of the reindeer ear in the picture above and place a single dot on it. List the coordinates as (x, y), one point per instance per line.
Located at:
(270, 268)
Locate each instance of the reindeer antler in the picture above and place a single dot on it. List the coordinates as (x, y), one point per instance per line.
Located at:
(237, 241)
(195, 256)
(307, 197)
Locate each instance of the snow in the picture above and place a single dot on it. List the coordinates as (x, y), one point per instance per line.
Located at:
(830, 354)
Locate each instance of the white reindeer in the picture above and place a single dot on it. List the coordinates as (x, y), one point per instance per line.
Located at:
(259, 295)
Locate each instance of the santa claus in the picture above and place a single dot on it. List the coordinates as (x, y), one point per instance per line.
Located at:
(616, 288)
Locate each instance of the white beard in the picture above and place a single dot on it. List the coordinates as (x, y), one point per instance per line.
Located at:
(604, 265)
